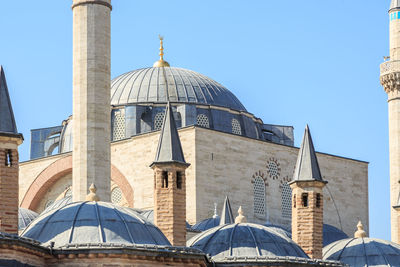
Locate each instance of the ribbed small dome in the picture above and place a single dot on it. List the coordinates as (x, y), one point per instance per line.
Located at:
(58, 204)
(93, 222)
(245, 240)
(332, 234)
(170, 84)
(25, 217)
(279, 229)
(363, 252)
(206, 224)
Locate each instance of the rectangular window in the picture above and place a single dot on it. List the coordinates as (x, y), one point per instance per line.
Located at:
(8, 162)
(179, 180)
(318, 202)
(164, 179)
(294, 201)
(304, 199)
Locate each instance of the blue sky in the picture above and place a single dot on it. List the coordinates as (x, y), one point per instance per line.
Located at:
(315, 63)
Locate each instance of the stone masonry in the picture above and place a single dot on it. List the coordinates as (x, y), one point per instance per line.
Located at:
(307, 216)
(9, 168)
(91, 97)
(170, 201)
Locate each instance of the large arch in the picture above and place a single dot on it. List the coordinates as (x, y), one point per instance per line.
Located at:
(58, 169)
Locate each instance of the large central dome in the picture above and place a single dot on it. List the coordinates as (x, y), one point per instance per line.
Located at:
(170, 84)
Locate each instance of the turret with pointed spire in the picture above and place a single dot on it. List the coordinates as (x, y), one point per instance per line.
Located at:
(170, 183)
(226, 215)
(307, 210)
(10, 139)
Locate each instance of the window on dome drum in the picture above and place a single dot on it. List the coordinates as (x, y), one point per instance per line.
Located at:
(259, 197)
(158, 121)
(236, 129)
(318, 202)
(116, 195)
(118, 131)
(164, 180)
(8, 161)
(286, 201)
(304, 199)
(179, 180)
(202, 120)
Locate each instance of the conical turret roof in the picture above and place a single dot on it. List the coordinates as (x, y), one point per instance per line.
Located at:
(226, 215)
(169, 146)
(7, 121)
(307, 167)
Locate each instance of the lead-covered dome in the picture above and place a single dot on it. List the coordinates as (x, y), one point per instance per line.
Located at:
(245, 240)
(94, 222)
(170, 84)
(25, 217)
(363, 252)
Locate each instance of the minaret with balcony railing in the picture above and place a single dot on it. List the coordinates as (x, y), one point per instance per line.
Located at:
(390, 80)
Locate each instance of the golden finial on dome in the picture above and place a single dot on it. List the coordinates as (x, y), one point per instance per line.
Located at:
(360, 233)
(92, 195)
(240, 218)
(161, 62)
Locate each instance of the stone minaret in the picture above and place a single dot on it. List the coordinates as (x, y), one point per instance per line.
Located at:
(170, 183)
(397, 216)
(10, 139)
(307, 208)
(91, 98)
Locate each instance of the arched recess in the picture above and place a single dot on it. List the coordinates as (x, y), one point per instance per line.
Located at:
(58, 169)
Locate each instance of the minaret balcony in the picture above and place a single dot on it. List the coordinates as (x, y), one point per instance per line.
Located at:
(391, 66)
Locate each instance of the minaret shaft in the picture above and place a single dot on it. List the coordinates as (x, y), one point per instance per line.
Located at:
(91, 98)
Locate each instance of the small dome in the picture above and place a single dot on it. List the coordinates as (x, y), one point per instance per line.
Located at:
(363, 252)
(332, 234)
(160, 85)
(58, 204)
(206, 224)
(25, 217)
(93, 222)
(245, 240)
(279, 229)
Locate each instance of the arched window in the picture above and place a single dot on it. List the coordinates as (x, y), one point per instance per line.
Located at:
(202, 120)
(236, 129)
(286, 201)
(158, 121)
(259, 197)
(116, 195)
(118, 129)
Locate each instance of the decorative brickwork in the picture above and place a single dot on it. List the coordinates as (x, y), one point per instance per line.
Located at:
(170, 201)
(307, 216)
(9, 170)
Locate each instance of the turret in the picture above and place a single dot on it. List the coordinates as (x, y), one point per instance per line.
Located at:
(10, 139)
(170, 183)
(91, 98)
(390, 80)
(307, 212)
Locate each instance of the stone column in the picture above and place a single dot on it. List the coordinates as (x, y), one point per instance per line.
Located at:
(170, 201)
(91, 98)
(307, 216)
(9, 173)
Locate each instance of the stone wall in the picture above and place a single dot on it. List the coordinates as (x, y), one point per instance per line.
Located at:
(226, 164)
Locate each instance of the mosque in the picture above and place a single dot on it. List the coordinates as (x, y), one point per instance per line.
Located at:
(152, 165)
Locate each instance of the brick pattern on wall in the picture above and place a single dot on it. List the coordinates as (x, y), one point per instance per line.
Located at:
(170, 203)
(9, 191)
(307, 222)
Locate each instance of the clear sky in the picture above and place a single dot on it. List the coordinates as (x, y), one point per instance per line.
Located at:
(316, 62)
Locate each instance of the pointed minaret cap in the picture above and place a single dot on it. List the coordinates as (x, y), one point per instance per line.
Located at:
(240, 218)
(169, 148)
(7, 121)
(307, 167)
(92, 195)
(226, 215)
(360, 233)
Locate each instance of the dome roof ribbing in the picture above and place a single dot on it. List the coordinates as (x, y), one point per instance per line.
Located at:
(170, 84)
(245, 240)
(25, 217)
(363, 252)
(93, 222)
